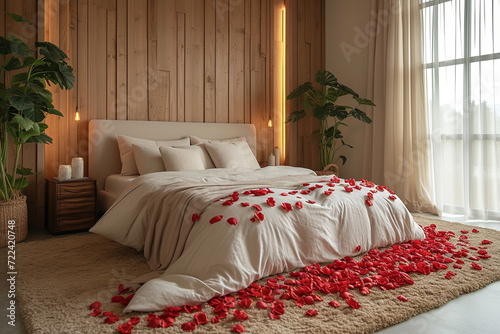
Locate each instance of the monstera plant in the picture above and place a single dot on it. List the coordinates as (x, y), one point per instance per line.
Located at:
(25, 101)
(321, 101)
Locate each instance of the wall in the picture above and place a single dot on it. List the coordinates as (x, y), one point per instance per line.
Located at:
(166, 60)
(347, 57)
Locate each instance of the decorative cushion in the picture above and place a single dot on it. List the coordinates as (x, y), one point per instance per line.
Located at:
(129, 166)
(202, 151)
(226, 155)
(240, 142)
(181, 159)
(148, 159)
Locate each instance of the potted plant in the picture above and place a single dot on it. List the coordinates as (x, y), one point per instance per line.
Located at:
(322, 102)
(25, 102)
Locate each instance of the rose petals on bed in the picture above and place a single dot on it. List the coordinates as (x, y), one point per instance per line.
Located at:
(238, 328)
(392, 197)
(287, 207)
(486, 242)
(257, 207)
(228, 203)
(245, 204)
(188, 326)
(298, 205)
(259, 215)
(232, 221)
(348, 189)
(358, 248)
(216, 219)
(369, 202)
(271, 202)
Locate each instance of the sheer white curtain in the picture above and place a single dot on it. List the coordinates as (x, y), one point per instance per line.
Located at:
(461, 40)
(398, 154)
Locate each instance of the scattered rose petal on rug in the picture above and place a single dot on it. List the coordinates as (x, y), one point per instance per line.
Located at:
(127, 300)
(352, 303)
(464, 232)
(240, 315)
(261, 305)
(245, 302)
(107, 314)
(475, 231)
(238, 328)
(334, 303)
(117, 299)
(232, 221)
(195, 217)
(134, 320)
(121, 289)
(188, 326)
(125, 328)
(95, 305)
(112, 319)
(402, 298)
(216, 219)
(97, 311)
(200, 318)
(312, 313)
(476, 266)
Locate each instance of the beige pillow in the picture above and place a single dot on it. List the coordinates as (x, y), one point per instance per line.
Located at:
(181, 159)
(202, 151)
(147, 159)
(129, 166)
(240, 142)
(226, 155)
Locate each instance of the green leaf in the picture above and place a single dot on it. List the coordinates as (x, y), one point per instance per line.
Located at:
(333, 94)
(24, 122)
(24, 171)
(343, 159)
(325, 78)
(361, 115)
(295, 116)
(363, 101)
(299, 91)
(339, 112)
(13, 64)
(41, 139)
(19, 78)
(344, 144)
(321, 112)
(346, 90)
(18, 46)
(330, 132)
(19, 18)
(53, 111)
(51, 51)
(20, 183)
(337, 134)
(21, 102)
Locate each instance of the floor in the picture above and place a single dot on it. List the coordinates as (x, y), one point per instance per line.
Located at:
(477, 312)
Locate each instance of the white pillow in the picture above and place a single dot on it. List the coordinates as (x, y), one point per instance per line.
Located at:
(202, 151)
(226, 155)
(176, 159)
(147, 159)
(129, 166)
(241, 143)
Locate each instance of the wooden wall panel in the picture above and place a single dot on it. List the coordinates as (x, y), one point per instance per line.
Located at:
(167, 60)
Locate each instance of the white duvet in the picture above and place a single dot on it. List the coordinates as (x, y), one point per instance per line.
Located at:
(203, 259)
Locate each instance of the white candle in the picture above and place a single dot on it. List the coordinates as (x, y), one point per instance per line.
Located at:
(271, 160)
(277, 156)
(77, 168)
(64, 172)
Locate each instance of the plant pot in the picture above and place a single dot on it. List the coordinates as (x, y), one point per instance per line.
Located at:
(13, 221)
(329, 170)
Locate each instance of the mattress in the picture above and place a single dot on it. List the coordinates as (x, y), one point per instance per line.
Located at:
(115, 183)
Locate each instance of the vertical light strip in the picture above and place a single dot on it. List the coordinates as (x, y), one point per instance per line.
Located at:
(283, 84)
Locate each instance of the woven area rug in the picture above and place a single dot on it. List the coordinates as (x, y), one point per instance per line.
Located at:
(59, 278)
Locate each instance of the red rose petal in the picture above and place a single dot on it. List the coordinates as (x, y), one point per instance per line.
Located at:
(245, 302)
(348, 189)
(287, 207)
(127, 300)
(334, 303)
(352, 303)
(200, 318)
(312, 313)
(259, 215)
(257, 207)
(392, 197)
(369, 203)
(238, 328)
(261, 305)
(245, 204)
(240, 315)
(402, 298)
(475, 231)
(95, 305)
(305, 192)
(232, 221)
(476, 266)
(134, 320)
(216, 219)
(117, 299)
(358, 248)
(97, 311)
(271, 202)
(188, 326)
(228, 203)
(310, 202)
(107, 314)
(111, 319)
(486, 242)
(125, 328)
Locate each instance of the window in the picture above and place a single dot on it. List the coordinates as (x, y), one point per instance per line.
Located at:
(461, 55)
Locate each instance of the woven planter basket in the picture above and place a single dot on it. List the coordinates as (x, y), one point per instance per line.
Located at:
(16, 210)
(329, 170)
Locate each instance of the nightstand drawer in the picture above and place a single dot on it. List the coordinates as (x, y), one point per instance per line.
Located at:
(80, 221)
(71, 206)
(75, 189)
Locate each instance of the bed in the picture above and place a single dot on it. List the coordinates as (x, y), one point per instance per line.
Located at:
(213, 231)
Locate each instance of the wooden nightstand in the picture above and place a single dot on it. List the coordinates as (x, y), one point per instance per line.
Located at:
(71, 205)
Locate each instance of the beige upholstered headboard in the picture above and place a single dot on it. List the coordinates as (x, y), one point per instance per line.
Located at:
(104, 157)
